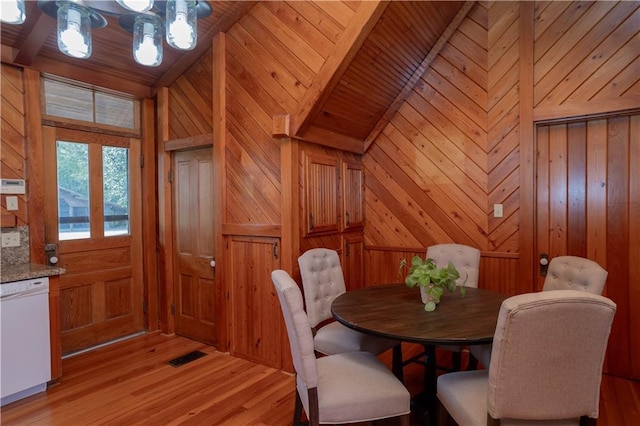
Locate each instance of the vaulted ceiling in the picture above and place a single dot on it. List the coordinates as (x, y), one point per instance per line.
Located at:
(365, 87)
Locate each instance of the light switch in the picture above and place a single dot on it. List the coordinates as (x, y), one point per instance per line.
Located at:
(12, 202)
(497, 210)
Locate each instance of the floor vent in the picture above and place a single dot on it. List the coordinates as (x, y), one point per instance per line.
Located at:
(184, 359)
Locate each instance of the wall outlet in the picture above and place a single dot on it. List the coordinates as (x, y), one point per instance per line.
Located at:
(12, 202)
(497, 210)
(11, 239)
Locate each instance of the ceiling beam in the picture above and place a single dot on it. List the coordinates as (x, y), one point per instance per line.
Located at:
(348, 45)
(36, 38)
(418, 73)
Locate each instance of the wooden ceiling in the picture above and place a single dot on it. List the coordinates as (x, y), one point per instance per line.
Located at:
(365, 91)
(111, 64)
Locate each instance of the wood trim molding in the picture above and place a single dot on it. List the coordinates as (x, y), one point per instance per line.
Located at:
(527, 151)
(365, 19)
(223, 306)
(587, 109)
(192, 142)
(165, 219)
(36, 38)
(35, 160)
(246, 230)
(418, 73)
(149, 239)
(332, 139)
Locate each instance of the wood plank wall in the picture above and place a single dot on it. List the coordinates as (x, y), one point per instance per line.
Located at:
(453, 149)
(273, 55)
(451, 152)
(13, 160)
(190, 101)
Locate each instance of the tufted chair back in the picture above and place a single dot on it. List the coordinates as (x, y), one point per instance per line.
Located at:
(298, 330)
(322, 280)
(548, 353)
(575, 273)
(466, 260)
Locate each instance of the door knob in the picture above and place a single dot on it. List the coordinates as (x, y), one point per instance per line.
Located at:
(544, 264)
(53, 260)
(213, 263)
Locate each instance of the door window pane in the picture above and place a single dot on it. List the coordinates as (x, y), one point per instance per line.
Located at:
(115, 180)
(73, 190)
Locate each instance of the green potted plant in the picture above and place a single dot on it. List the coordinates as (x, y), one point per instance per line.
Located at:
(432, 280)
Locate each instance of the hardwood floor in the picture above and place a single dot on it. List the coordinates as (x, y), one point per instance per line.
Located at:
(130, 383)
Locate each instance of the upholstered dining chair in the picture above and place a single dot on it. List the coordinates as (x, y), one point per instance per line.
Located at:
(564, 273)
(466, 259)
(343, 388)
(548, 352)
(323, 281)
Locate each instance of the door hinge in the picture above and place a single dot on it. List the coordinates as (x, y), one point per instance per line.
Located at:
(141, 161)
(275, 250)
(173, 309)
(170, 175)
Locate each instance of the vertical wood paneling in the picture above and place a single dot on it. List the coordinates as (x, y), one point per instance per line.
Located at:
(590, 211)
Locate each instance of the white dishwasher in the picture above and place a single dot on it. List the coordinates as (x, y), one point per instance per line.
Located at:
(25, 362)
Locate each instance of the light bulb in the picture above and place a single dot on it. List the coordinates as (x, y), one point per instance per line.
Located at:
(182, 30)
(12, 11)
(136, 5)
(147, 40)
(74, 30)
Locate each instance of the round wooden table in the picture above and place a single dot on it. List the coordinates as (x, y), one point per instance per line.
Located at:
(396, 311)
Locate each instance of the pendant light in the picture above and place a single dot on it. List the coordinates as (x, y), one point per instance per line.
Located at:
(147, 40)
(12, 11)
(74, 30)
(182, 32)
(139, 6)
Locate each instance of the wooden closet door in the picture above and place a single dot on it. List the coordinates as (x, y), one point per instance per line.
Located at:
(588, 205)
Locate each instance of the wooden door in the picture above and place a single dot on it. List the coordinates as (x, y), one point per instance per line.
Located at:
(321, 191)
(588, 205)
(195, 302)
(256, 319)
(353, 261)
(352, 195)
(92, 213)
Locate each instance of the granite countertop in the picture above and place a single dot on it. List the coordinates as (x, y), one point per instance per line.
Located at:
(26, 271)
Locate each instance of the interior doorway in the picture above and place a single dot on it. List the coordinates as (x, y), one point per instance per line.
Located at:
(194, 255)
(588, 204)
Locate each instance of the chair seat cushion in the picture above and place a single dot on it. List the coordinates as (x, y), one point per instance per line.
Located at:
(335, 338)
(357, 387)
(464, 396)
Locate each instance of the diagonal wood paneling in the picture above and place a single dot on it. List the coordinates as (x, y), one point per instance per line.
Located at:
(580, 46)
(394, 49)
(427, 172)
(13, 139)
(190, 102)
(273, 55)
(502, 125)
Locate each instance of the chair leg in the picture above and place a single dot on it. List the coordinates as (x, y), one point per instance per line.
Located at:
(456, 361)
(473, 362)
(405, 420)
(297, 411)
(396, 362)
